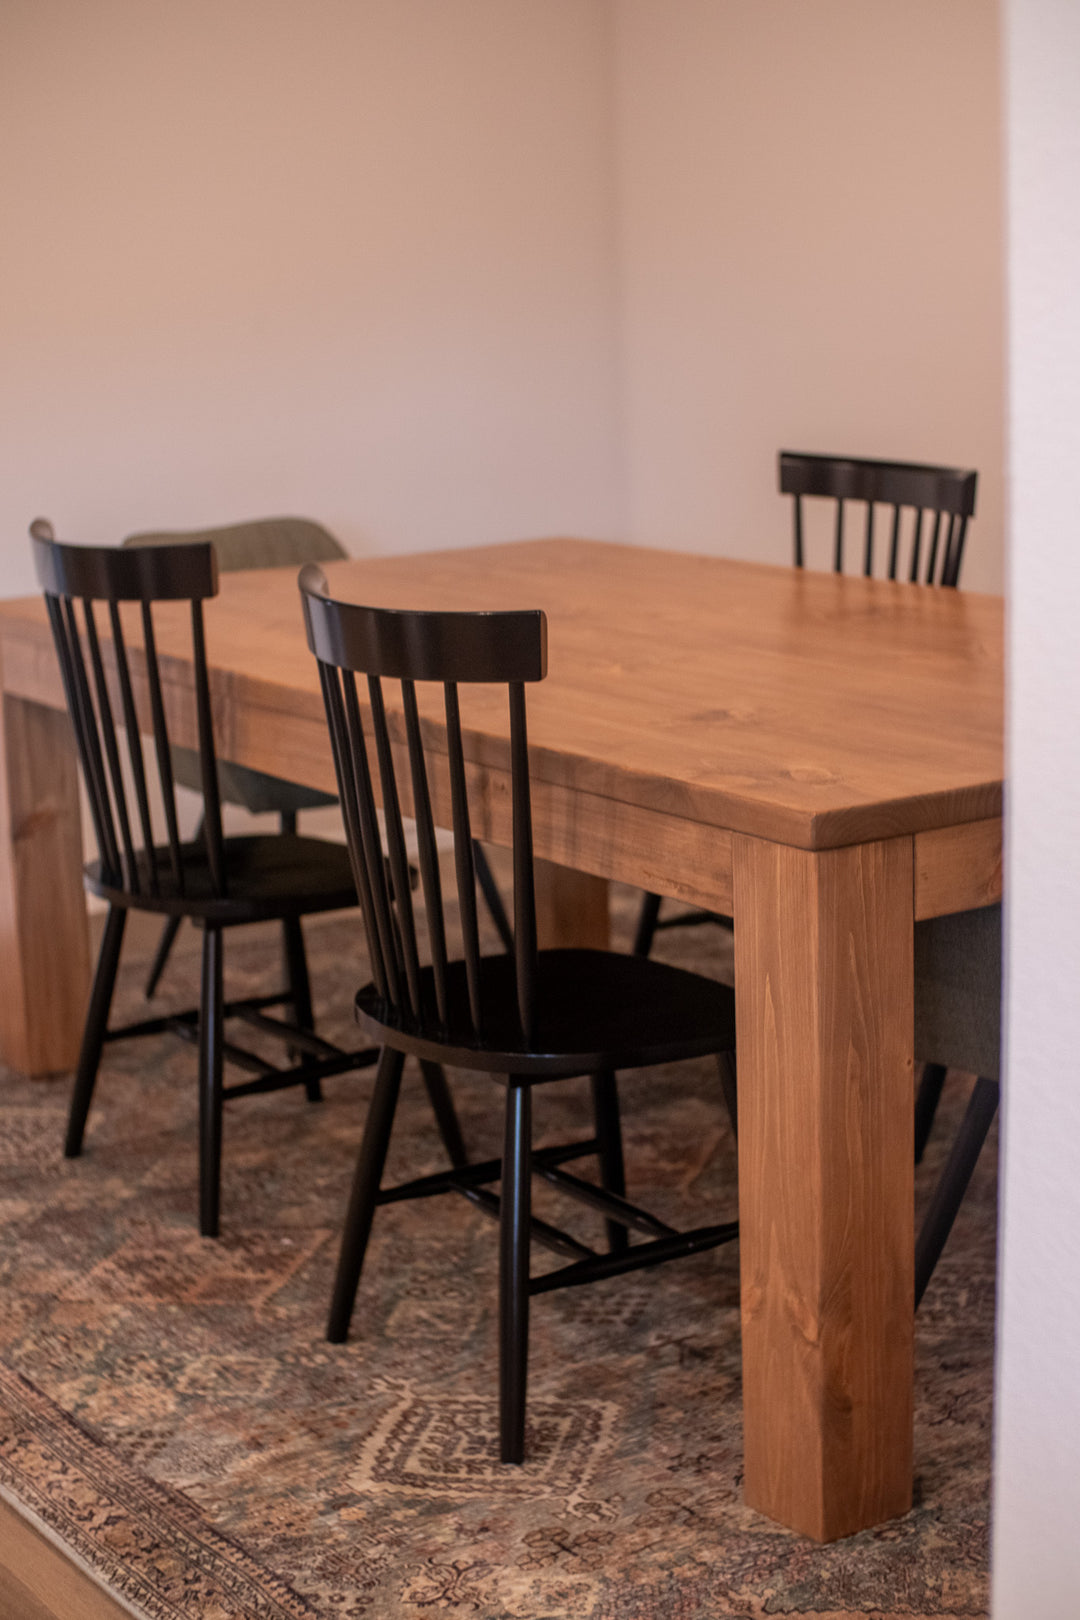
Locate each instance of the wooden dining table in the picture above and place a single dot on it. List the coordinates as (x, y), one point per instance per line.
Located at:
(818, 757)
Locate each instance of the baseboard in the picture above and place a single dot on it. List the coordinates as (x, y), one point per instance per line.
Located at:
(39, 1582)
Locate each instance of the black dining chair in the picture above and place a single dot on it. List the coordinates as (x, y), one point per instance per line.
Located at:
(538, 1017)
(274, 542)
(930, 510)
(940, 501)
(927, 519)
(101, 608)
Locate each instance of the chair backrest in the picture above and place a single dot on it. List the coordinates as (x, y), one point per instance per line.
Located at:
(259, 543)
(275, 542)
(941, 492)
(451, 649)
(958, 991)
(102, 698)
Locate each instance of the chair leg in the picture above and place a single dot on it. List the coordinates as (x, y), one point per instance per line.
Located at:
(646, 928)
(299, 985)
(162, 954)
(514, 1215)
(949, 1193)
(605, 1096)
(365, 1192)
(97, 1019)
(445, 1113)
(490, 890)
(211, 1064)
(926, 1102)
(729, 1085)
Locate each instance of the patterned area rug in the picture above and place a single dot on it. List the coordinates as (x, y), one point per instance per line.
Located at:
(170, 1410)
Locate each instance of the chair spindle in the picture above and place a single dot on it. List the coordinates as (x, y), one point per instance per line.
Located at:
(525, 943)
(215, 847)
(395, 843)
(73, 671)
(107, 730)
(894, 543)
(349, 798)
(916, 547)
(382, 942)
(463, 853)
(161, 748)
(427, 850)
(134, 745)
(935, 535)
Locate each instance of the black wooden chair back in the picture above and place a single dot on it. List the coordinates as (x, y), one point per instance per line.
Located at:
(942, 499)
(452, 649)
(101, 699)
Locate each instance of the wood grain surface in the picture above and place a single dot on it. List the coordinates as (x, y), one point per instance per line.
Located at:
(958, 868)
(810, 709)
(44, 948)
(823, 965)
(40, 1582)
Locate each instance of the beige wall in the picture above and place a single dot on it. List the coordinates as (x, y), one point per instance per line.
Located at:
(810, 252)
(444, 271)
(349, 258)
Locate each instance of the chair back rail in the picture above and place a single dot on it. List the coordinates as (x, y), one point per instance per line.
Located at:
(929, 492)
(74, 579)
(450, 649)
(275, 542)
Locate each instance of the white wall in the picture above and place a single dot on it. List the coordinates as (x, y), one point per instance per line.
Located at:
(810, 254)
(445, 271)
(1037, 1495)
(350, 258)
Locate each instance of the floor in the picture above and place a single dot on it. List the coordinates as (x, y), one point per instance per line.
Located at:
(169, 1407)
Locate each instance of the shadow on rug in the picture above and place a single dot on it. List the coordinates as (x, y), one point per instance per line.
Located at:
(170, 1410)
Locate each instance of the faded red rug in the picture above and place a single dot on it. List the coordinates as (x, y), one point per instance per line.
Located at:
(170, 1410)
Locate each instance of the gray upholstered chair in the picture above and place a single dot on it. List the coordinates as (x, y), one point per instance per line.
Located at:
(958, 1026)
(262, 543)
(276, 543)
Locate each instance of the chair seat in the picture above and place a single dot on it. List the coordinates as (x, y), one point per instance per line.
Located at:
(256, 791)
(600, 1010)
(266, 876)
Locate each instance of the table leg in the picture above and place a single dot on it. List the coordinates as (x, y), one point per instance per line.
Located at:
(571, 907)
(44, 941)
(824, 977)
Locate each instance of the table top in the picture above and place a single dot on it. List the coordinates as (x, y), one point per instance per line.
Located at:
(813, 709)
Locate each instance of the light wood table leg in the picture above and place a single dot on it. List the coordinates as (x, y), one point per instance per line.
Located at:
(44, 940)
(824, 986)
(571, 907)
